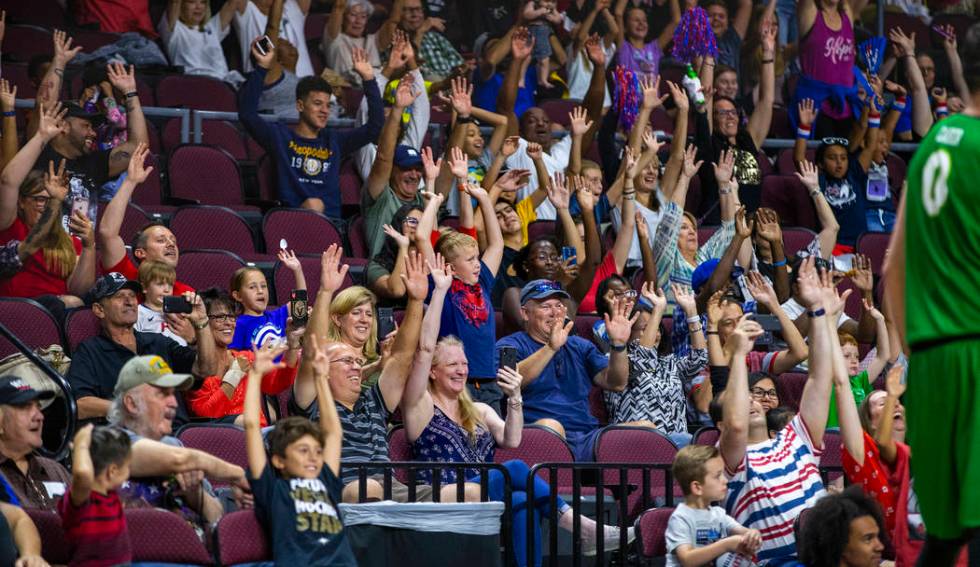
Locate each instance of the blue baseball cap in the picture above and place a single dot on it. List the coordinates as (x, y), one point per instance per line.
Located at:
(703, 273)
(542, 289)
(407, 156)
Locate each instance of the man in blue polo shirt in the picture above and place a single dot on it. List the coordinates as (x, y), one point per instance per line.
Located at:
(559, 370)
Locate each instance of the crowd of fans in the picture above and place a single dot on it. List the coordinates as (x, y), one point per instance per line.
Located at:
(689, 331)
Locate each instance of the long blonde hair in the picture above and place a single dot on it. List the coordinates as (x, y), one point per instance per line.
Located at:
(344, 303)
(56, 243)
(468, 414)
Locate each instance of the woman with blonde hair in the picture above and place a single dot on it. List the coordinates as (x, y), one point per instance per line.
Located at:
(352, 322)
(444, 424)
(63, 269)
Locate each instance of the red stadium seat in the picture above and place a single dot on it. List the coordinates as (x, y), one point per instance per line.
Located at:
(787, 196)
(832, 452)
(161, 536)
(785, 165)
(285, 281)
(558, 109)
(796, 239)
(206, 175)
(874, 245)
(652, 532)
(790, 385)
(242, 539)
(202, 269)
(706, 435)
(94, 39)
(624, 444)
(196, 92)
(541, 445)
(226, 136)
(897, 172)
(34, 325)
(227, 442)
(305, 231)
(149, 195)
(358, 241)
(399, 449)
(597, 405)
(54, 548)
(780, 126)
(267, 180)
(910, 25)
(705, 233)
(209, 226)
(583, 326)
(81, 325)
(853, 305)
(44, 13)
(16, 75)
(24, 42)
(350, 186)
(694, 196)
(540, 228)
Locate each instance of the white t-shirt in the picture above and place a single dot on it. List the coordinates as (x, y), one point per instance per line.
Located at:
(150, 321)
(251, 24)
(415, 131)
(199, 52)
(794, 310)
(339, 54)
(579, 70)
(699, 528)
(653, 221)
(555, 160)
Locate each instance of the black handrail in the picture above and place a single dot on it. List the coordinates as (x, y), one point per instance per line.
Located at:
(62, 451)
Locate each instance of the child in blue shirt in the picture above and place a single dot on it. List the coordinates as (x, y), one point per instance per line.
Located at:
(256, 326)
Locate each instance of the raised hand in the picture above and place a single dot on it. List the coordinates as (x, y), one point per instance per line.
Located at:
(939, 94)
(264, 60)
(620, 324)
(401, 50)
(586, 199)
(406, 94)
(684, 296)
(895, 88)
(289, 259)
(63, 51)
(294, 334)
(894, 385)
(442, 272)
(430, 166)
(869, 306)
(761, 290)
(56, 182)
(642, 228)
(650, 141)
(416, 282)
(558, 192)
(767, 225)
(724, 167)
(399, 238)
(743, 337)
(568, 270)
(121, 77)
(715, 311)
(807, 112)
(332, 272)
(833, 300)
(509, 380)
(521, 44)
(743, 226)
(477, 192)
(437, 24)
(679, 96)
(691, 167)
(580, 121)
(593, 48)
(652, 293)
(8, 96)
(51, 122)
(560, 331)
(949, 37)
(461, 97)
(138, 171)
(767, 37)
(362, 64)
(459, 165)
(512, 180)
(809, 283)
(631, 162)
(651, 93)
(265, 357)
(534, 150)
(510, 146)
(862, 276)
(809, 176)
(904, 44)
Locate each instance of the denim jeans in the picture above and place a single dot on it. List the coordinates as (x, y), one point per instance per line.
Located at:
(880, 220)
(786, 13)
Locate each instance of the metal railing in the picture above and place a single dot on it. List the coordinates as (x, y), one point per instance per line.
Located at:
(184, 114)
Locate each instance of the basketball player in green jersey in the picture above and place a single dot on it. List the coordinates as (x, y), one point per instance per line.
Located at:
(933, 286)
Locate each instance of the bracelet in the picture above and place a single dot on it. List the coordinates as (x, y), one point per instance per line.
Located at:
(515, 402)
(803, 132)
(779, 264)
(9, 113)
(201, 326)
(874, 120)
(711, 332)
(617, 348)
(694, 319)
(132, 94)
(941, 110)
(899, 103)
(694, 328)
(814, 193)
(818, 313)
(726, 191)
(465, 120)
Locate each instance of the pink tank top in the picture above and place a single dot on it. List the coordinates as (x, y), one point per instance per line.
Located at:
(827, 55)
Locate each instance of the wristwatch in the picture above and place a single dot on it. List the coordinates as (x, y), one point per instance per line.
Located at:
(201, 326)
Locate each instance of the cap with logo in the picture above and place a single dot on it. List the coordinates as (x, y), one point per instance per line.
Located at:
(407, 156)
(542, 289)
(15, 391)
(150, 369)
(76, 111)
(110, 284)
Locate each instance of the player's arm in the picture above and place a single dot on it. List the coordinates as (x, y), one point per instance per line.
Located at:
(895, 273)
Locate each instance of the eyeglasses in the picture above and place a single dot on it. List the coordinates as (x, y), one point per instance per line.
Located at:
(349, 361)
(834, 141)
(412, 9)
(759, 393)
(40, 199)
(542, 257)
(628, 294)
(223, 317)
(411, 221)
(727, 112)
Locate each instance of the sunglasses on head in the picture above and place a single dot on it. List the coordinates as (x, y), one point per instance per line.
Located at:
(835, 141)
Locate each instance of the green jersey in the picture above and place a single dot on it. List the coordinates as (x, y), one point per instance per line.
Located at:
(942, 228)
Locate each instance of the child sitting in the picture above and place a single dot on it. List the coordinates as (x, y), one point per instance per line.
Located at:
(540, 16)
(256, 326)
(296, 497)
(697, 532)
(158, 280)
(91, 512)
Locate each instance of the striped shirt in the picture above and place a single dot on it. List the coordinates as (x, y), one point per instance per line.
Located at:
(671, 265)
(365, 429)
(775, 481)
(96, 531)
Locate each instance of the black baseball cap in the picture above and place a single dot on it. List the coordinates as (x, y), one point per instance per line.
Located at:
(109, 284)
(15, 391)
(76, 111)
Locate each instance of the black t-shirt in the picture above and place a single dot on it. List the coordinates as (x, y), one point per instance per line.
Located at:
(87, 174)
(505, 277)
(747, 170)
(302, 518)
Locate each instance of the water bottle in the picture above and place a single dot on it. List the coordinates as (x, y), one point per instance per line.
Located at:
(692, 84)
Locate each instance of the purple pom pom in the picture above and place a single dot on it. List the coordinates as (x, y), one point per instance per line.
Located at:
(693, 36)
(627, 97)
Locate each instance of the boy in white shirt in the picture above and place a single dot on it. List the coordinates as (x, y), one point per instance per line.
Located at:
(158, 280)
(697, 532)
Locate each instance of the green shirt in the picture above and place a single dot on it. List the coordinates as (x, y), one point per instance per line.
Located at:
(860, 387)
(379, 213)
(942, 233)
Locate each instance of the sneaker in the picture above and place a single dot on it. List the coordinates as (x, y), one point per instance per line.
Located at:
(611, 540)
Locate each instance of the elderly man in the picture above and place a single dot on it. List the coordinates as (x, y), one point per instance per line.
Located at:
(97, 361)
(438, 55)
(144, 405)
(559, 371)
(37, 482)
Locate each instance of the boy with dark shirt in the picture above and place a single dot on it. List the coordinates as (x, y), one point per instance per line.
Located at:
(308, 155)
(296, 496)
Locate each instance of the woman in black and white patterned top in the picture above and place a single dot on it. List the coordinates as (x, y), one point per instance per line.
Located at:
(655, 393)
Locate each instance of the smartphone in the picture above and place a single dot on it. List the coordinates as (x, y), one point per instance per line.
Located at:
(386, 322)
(508, 357)
(769, 323)
(568, 252)
(297, 307)
(176, 304)
(264, 45)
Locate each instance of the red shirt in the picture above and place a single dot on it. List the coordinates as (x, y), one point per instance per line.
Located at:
(128, 269)
(210, 401)
(96, 531)
(605, 269)
(34, 278)
(117, 16)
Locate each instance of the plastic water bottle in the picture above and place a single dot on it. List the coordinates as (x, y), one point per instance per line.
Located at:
(692, 84)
